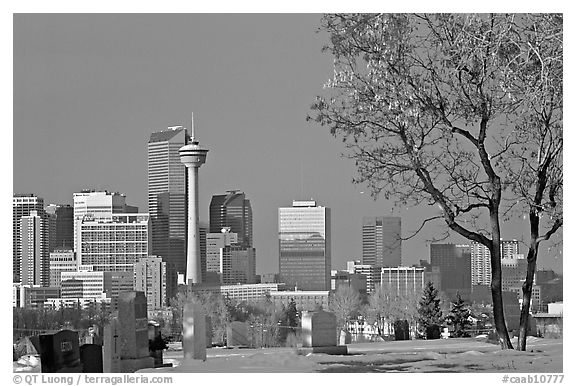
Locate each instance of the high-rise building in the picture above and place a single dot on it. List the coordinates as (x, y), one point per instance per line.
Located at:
(232, 210)
(406, 281)
(60, 226)
(514, 271)
(167, 201)
(98, 205)
(381, 241)
(34, 265)
(481, 268)
(454, 262)
(113, 244)
(371, 272)
(61, 260)
(227, 261)
(22, 205)
(215, 243)
(150, 278)
(304, 233)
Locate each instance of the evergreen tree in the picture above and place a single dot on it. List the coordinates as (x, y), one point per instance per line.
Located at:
(459, 317)
(429, 313)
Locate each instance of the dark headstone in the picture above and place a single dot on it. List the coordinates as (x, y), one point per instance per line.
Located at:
(91, 358)
(133, 318)
(433, 332)
(401, 330)
(60, 352)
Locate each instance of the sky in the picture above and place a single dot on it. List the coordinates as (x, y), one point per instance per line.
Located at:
(90, 89)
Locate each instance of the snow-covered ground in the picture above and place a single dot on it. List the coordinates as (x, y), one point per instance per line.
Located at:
(462, 355)
(451, 355)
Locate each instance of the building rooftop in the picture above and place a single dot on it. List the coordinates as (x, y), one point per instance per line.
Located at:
(165, 135)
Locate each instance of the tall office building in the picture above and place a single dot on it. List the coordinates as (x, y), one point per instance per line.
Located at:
(150, 278)
(113, 244)
(98, 205)
(22, 205)
(406, 281)
(371, 272)
(34, 265)
(61, 260)
(454, 262)
(481, 270)
(60, 226)
(227, 261)
(167, 201)
(381, 241)
(232, 210)
(304, 234)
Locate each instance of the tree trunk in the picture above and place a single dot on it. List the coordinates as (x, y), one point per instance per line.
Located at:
(527, 285)
(526, 297)
(496, 283)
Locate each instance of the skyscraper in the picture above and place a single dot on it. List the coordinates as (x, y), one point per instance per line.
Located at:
(150, 278)
(167, 201)
(232, 210)
(454, 263)
(114, 244)
(304, 234)
(60, 227)
(381, 241)
(480, 256)
(99, 205)
(34, 265)
(22, 205)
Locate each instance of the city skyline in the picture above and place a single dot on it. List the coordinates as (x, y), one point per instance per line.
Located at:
(108, 86)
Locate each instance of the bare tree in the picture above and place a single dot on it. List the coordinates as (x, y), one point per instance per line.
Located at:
(344, 303)
(533, 167)
(420, 102)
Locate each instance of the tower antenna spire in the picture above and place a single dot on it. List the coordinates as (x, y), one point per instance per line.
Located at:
(192, 125)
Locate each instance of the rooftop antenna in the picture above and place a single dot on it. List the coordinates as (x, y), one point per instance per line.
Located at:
(192, 127)
(301, 179)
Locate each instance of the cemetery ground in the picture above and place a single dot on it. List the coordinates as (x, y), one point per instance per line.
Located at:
(455, 355)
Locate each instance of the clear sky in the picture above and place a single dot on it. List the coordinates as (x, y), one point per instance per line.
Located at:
(89, 90)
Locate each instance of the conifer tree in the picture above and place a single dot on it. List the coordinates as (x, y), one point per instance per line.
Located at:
(459, 317)
(429, 313)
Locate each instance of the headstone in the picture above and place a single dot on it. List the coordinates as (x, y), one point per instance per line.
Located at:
(345, 337)
(208, 331)
(237, 335)
(133, 315)
(319, 334)
(111, 347)
(445, 333)
(401, 330)
(59, 352)
(318, 329)
(91, 358)
(194, 332)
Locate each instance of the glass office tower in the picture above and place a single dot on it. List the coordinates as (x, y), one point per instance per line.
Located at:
(305, 246)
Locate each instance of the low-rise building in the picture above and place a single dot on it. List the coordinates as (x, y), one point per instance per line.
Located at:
(305, 300)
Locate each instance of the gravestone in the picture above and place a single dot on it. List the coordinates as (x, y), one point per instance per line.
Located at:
(194, 332)
(91, 358)
(345, 337)
(237, 335)
(133, 319)
(59, 352)
(319, 333)
(401, 330)
(111, 347)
